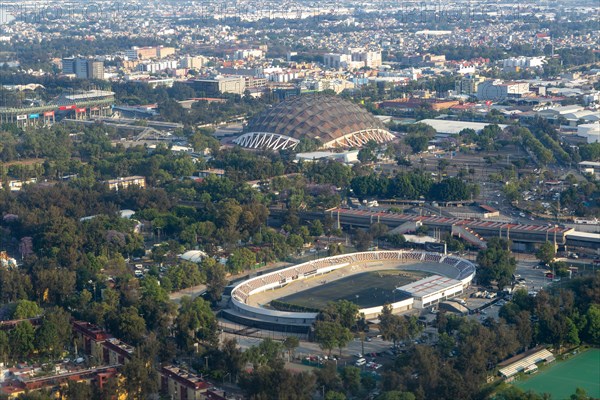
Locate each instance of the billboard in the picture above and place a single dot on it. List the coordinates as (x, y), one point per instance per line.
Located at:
(21, 117)
(49, 114)
(34, 116)
(437, 247)
(80, 110)
(70, 107)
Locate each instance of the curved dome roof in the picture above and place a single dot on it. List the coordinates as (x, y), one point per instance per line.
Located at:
(193, 256)
(333, 121)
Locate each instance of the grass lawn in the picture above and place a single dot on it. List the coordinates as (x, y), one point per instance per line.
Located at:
(369, 289)
(562, 378)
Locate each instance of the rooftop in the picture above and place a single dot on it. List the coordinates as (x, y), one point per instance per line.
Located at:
(528, 360)
(429, 285)
(185, 377)
(454, 127)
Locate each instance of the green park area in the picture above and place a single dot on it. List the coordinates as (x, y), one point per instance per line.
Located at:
(563, 378)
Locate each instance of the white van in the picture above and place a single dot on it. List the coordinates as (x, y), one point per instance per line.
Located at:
(360, 362)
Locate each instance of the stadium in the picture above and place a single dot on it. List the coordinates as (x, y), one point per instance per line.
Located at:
(288, 300)
(332, 121)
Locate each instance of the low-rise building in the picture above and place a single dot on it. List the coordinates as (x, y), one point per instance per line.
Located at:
(590, 131)
(218, 172)
(123, 183)
(432, 290)
(181, 384)
(590, 167)
(210, 87)
(14, 185)
(525, 362)
(498, 90)
(413, 104)
(468, 85)
(115, 352)
(90, 337)
(346, 157)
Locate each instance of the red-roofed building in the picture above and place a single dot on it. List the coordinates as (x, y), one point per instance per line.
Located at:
(182, 385)
(91, 337)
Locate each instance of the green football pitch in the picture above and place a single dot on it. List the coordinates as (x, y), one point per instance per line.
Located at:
(561, 380)
(368, 289)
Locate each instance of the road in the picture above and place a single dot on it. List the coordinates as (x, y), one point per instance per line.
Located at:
(305, 349)
(534, 278)
(192, 292)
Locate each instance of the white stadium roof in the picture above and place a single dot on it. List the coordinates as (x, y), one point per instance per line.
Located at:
(522, 364)
(448, 127)
(430, 285)
(193, 255)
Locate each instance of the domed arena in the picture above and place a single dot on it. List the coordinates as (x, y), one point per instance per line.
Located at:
(333, 121)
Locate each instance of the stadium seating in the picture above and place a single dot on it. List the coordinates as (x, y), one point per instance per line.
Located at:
(448, 265)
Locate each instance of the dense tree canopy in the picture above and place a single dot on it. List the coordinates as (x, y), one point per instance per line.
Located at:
(496, 263)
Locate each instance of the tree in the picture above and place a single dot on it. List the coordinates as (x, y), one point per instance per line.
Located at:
(295, 242)
(78, 391)
(195, 322)
(546, 252)
(328, 378)
(268, 352)
(592, 330)
(131, 326)
(332, 335)
(367, 154)
(316, 228)
(496, 263)
(331, 395)
(276, 382)
(396, 395)
(326, 335)
(343, 312)
(54, 332)
(393, 327)
(26, 309)
(141, 379)
(4, 346)
(290, 343)
(351, 379)
(580, 394)
(215, 278)
(335, 249)
(362, 240)
(21, 339)
(241, 259)
(233, 357)
(417, 142)
(452, 189)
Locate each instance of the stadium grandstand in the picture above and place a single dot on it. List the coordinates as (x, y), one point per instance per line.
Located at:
(332, 121)
(80, 105)
(453, 274)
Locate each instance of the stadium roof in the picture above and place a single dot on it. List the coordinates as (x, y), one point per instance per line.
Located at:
(522, 364)
(331, 120)
(448, 127)
(429, 285)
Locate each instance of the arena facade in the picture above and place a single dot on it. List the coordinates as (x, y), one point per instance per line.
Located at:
(243, 310)
(331, 120)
